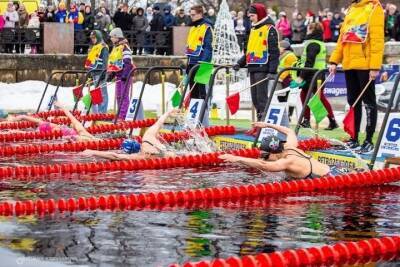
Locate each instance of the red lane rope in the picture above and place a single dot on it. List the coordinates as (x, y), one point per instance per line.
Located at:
(93, 167)
(105, 144)
(54, 113)
(57, 120)
(186, 198)
(24, 136)
(340, 254)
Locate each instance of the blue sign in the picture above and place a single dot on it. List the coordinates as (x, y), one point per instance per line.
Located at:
(338, 87)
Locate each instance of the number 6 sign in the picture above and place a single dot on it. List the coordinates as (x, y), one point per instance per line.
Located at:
(390, 144)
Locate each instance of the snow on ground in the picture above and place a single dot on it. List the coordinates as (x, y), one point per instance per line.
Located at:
(25, 96)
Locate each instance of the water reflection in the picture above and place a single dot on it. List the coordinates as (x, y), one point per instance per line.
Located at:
(158, 238)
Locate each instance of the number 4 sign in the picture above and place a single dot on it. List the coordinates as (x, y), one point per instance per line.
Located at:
(277, 114)
(390, 144)
(194, 109)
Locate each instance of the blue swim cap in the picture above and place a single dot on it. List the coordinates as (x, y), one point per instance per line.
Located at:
(130, 146)
(3, 114)
(271, 144)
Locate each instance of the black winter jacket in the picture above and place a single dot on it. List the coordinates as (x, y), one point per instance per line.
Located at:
(273, 50)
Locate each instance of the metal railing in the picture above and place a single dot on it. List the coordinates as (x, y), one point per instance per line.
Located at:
(145, 80)
(19, 37)
(275, 84)
(385, 119)
(159, 41)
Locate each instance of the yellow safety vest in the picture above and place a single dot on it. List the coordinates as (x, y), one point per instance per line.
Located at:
(115, 60)
(257, 46)
(355, 25)
(94, 56)
(195, 40)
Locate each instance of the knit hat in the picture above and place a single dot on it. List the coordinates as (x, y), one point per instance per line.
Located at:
(284, 44)
(258, 9)
(282, 13)
(117, 33)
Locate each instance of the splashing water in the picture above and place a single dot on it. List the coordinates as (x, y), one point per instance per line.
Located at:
(198, 141)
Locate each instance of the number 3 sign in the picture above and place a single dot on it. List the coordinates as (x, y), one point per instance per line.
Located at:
(390, 144)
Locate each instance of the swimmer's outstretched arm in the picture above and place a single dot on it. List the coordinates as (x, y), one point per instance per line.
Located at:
(153, 131)
(291, 138)
(273, 166)
(77, 125)
(27, 118)
(110, 155)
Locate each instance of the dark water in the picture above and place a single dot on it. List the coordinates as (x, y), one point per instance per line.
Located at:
(159, 238)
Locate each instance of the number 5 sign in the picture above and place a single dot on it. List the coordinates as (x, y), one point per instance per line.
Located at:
(390, 144)
(277, 114)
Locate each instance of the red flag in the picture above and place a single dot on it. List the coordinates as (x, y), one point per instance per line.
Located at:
(96, 95)
(77, 91)
(186, 101)
(233, 103)
(349, 124)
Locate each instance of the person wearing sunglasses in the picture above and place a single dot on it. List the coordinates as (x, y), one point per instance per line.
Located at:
(277, 156)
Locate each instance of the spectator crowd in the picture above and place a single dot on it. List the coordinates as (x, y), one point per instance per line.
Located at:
(161, 17)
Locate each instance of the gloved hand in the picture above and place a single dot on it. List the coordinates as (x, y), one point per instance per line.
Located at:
(236, 67)
(297, 83)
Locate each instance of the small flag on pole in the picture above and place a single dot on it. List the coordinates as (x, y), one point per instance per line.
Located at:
(204, 72)
(317, 108)
(176, 98)
(233, 103)
(96, 96)
(77, 91)
(186, 101)
(86, 101)
(349, 124)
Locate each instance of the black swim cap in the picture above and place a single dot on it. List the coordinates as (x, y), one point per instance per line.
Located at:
(271, 144)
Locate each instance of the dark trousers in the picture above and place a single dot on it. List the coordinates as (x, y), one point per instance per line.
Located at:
(356, 80)
(322, 96)
(199, 90)
(259, 92)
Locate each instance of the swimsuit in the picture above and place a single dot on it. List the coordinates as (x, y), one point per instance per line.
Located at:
(311, 174)
(161, 152)
(334, 171)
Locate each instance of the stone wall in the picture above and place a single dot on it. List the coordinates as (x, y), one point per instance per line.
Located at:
(17, 68)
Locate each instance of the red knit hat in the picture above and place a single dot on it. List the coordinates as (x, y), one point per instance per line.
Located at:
(259, 9)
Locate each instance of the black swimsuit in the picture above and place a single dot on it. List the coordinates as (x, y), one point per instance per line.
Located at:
(311, 174)
(161, 153)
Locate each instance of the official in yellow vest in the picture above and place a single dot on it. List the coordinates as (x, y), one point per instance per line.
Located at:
(96, 62)
(120, 66)
(360, 50)
(287, 59)
(199, 48)
(261, 57)
(314, 56)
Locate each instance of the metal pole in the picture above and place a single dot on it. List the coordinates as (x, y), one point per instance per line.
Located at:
(228, 79)
(385, 119)
(163, 92)
(268, 104)
(308, 96)
(130, 79)
(45, 89)
(209, 92)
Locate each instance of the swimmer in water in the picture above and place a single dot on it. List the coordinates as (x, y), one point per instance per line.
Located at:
(279, 156)
(76, 133)
(151, 145)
